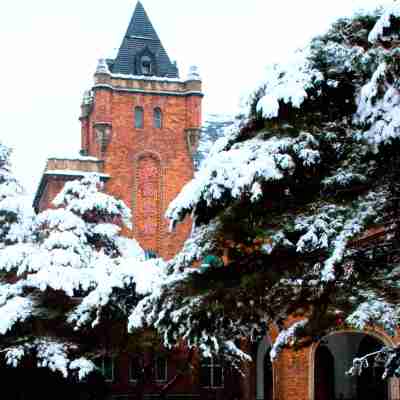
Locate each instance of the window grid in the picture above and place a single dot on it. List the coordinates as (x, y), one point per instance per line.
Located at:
(160, 369)
(212, 374)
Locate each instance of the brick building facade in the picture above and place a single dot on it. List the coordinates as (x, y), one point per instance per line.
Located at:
(140, 128)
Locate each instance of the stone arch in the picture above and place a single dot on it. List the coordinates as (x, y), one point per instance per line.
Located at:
(393, 384)
(147, 199)
(262, 352)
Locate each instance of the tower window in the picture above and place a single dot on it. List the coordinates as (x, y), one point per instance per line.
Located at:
(157, 118)
(139, 118)
(145, 64)
(211, 373)
(149, 254)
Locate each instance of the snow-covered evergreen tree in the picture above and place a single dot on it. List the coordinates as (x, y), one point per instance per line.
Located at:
(286, 204)
(73, 274)
(13, 226)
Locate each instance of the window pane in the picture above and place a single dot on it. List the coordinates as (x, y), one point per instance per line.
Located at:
(205, 375)
(218, 379)
(135, 369)
(157, 118)
(146, 65)
(139, 117)
(108, 368)
(149, 254)
(161, 369)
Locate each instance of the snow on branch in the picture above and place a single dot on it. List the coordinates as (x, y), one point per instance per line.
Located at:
(288, 83)
(83, 197)
(375, 312)
(16, 309)
(384, 22)
(287, 337)
(53, 355)
(240, 170)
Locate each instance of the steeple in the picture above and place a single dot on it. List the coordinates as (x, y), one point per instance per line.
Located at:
(141, 51)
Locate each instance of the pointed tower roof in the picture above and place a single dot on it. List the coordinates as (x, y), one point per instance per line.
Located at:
(141, 51)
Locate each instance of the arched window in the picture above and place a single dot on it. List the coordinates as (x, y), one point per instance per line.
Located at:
(145, 65)
(139, 117)
(157, 118)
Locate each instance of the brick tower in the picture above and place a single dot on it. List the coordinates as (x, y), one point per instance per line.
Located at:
(140, 125)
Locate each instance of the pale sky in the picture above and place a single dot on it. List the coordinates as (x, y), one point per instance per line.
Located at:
(50, 50)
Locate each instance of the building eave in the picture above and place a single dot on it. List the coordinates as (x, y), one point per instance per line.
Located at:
(63, 174)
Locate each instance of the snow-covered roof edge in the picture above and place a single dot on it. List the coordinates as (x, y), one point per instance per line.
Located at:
(47, 174)
(147, 78)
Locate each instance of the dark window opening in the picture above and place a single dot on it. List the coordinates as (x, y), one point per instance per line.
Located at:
(136, 366)
(139, 118)
(160, 368)
(106, 367)
(149, 254)
(146, 65)
(211, 373)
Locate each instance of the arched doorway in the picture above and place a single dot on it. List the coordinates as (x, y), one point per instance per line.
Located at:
(333, 358)
(264, 371)
(324, 374)
(370, 383)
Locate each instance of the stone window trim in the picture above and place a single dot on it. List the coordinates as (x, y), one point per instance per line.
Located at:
(139, 117)
(211, 365)
(192, 140)
(103, 134)
(157, 118)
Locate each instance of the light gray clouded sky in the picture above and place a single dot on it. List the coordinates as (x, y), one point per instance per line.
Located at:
(49, 51)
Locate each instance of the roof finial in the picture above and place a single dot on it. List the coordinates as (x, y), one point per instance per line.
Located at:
(194, 73)
(102, 67)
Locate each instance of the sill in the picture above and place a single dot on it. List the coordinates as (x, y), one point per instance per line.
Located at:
(212, 387)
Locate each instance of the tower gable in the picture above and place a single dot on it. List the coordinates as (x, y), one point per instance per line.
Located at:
(141, 51)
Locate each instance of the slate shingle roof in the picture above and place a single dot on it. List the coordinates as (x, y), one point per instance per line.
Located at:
(142, 39)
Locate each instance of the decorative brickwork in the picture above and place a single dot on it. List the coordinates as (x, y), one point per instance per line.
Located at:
(147, 195)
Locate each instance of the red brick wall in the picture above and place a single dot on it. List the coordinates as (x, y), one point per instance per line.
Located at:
(129, 147)
(187, 383)
(52, 187)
